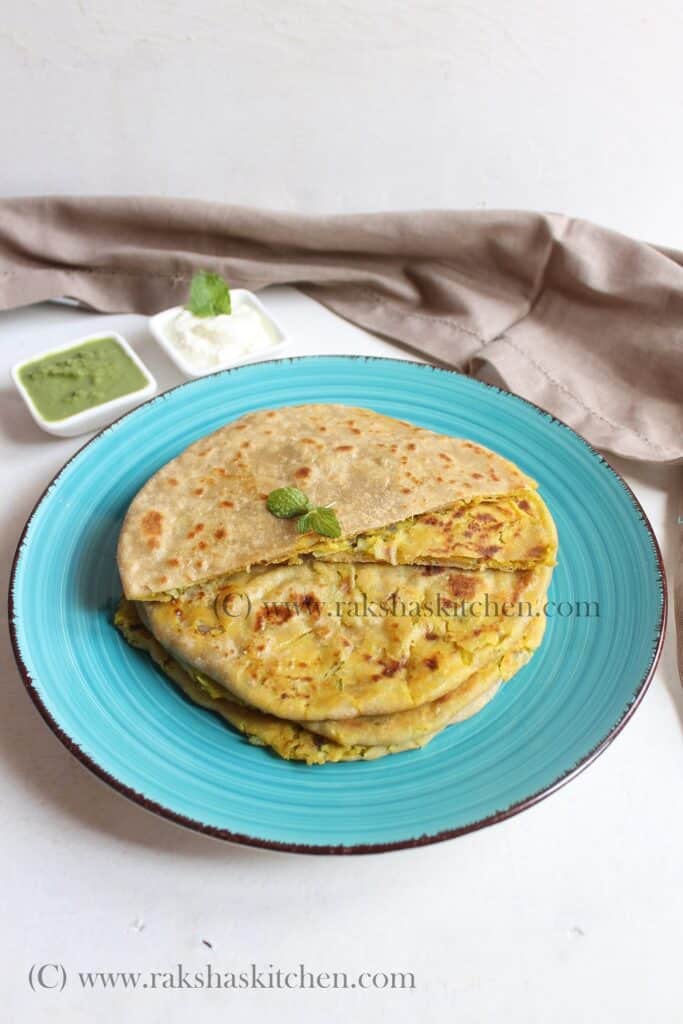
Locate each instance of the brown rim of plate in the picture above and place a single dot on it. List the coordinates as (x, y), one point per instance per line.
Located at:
(403, 844)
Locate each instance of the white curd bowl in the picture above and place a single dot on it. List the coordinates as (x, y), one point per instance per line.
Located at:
(159, 326)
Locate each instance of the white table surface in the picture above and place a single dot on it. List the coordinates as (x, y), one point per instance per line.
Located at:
(570, 912)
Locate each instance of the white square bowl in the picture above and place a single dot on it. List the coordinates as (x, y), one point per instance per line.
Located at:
(99, 415)
(158, 325)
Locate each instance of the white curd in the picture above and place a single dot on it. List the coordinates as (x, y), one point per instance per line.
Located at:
(209, 342)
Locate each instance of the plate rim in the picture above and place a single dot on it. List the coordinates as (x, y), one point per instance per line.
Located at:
(243, 839)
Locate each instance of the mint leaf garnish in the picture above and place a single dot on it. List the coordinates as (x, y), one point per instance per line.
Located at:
(320, 520)
(209, 295)
(287, 502)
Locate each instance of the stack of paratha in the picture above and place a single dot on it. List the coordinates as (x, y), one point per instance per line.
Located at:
(337, 648)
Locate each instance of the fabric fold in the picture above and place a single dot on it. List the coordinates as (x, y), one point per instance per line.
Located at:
(562, 309)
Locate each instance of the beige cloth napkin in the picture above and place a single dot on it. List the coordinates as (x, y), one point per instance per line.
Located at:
(581, 320)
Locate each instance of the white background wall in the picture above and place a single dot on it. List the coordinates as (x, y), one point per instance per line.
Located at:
(352, 104)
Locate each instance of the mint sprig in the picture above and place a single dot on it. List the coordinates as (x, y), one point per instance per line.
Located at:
(209, 295)
(320, 520)
(288, 502)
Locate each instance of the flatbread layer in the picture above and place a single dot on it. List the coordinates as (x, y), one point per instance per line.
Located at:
(335, 641)
(203, 516)
(501, 533)
(430, 718)
(293, 741)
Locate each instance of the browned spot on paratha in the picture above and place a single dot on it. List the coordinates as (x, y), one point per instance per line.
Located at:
(461, 585)
(390, 666)
(523, 578)
(488, 550)
(307, 603)
(273, 615)
(151, 528)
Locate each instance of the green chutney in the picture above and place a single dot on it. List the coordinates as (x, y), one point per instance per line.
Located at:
(81, 377)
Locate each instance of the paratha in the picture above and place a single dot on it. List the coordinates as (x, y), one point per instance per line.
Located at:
(347, 647)
(455, 706)
(203, 516)
(293, 741)
(501, 533)
(324, 640)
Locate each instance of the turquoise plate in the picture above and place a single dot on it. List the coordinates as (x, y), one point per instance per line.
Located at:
(134, 729)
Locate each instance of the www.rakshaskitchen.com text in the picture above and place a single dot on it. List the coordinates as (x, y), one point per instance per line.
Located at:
(54, 976)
